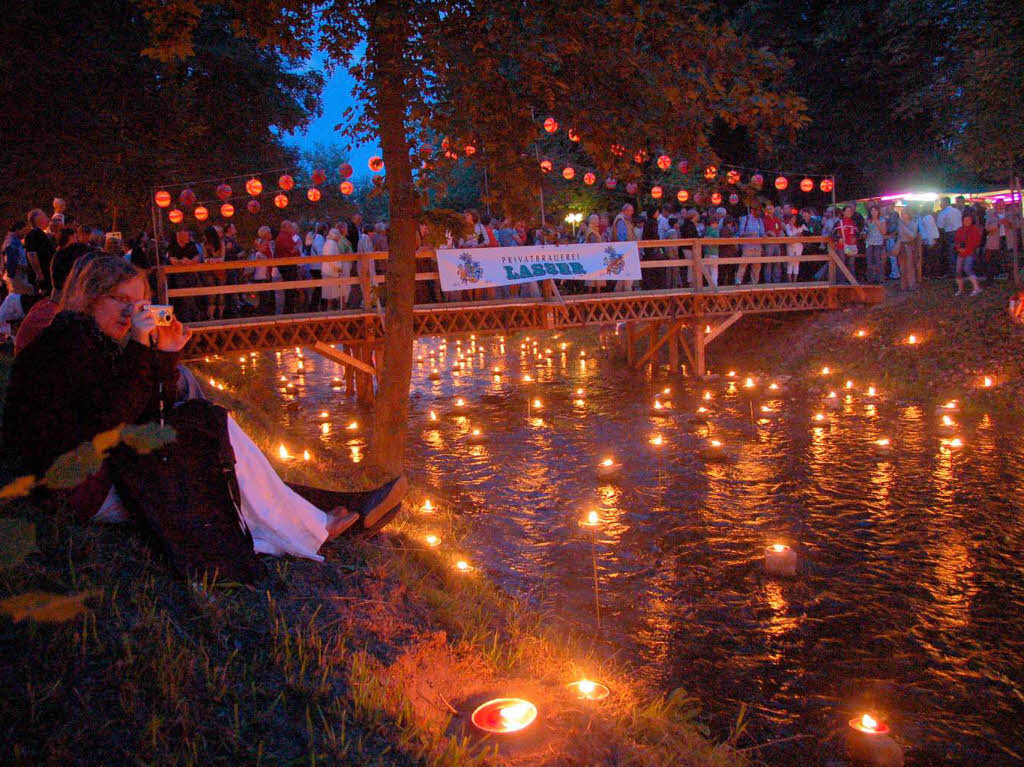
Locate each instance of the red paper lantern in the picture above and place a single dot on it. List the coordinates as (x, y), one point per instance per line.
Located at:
(734, 199)
(227, 210)
(684, 166)
(716, 198)
(631, 187)
(345, 171)
(313, 194)
(253, 206)
(589, 179)
(733, 177)
(175, 216)
(710, 172)
(682, 195)
(640, 157)
(573, 135)
(346, 188)
(286, 182)
(201, 213)
(551, 125)
(568, 173)
(281, 200)
(806, 185)
(163, 198)
(546, 166)
(610, 183)
(757, 180)
(656, 192)
(470, 150)
(319, 177)
(827, 185)
(664, 162)
(187, 197)
(254, 186)
(781, 183)
(618, 150)
(376, 164)
(224, 192)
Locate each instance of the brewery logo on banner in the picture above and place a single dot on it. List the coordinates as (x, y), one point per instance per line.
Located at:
(465, 268)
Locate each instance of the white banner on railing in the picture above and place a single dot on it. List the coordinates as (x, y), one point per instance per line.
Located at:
(468, 268)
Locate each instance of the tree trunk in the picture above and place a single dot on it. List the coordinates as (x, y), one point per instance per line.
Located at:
(392, 410)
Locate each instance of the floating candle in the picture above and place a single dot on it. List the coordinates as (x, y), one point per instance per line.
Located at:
(427, 507)
(780, 559)
(476, 436)
(883, 446)
(871, 392)
(911, 339)
(748, 383)
(282, 452)
(586, 689)
(463, 566)
(657, 440)
(305, 455)
(820, 419)
(608, 469)
(849, 384)
(435, 375)
(773, 386)
(731, 374)
(325, 429)
(352, 426)
(460, 402)
(832, 401)
(826, 371)
(591, 520)
(869, 725)
(708, 395)
(504, 715)
(432, 540)
(861, 333)
(324, 414)
(986, 382)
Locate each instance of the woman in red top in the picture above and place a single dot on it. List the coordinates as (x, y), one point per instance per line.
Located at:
(966, 241)
(845, 234)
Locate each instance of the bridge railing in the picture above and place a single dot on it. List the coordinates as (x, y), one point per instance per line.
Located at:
(699, 263)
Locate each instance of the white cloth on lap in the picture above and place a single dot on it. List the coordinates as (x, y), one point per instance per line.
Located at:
(281, 521)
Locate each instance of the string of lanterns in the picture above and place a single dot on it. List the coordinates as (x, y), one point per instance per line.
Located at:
(254, 187)
(733, 174)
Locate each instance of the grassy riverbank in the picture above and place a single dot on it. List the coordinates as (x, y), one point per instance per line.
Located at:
(960, 341)
(374, 657)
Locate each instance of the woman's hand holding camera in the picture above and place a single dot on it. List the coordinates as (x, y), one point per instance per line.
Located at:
(169, 338)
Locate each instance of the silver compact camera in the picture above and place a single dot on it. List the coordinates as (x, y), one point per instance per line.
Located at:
(164, 315)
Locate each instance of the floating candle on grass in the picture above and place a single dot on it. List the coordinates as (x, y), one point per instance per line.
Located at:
(780, 559)
(504, 715)
(585, 689)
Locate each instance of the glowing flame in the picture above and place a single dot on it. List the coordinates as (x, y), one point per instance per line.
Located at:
(462, 565)
(579, 392)
(323, 414)
(241, 359)
(586, 686)
(305, 455)
(883, 442)
(731, 374)
(432, 540)
(871, 391)
(460, 402)
(667, 390)
(282, 451)
(951, 405)
(658, 405)
(537, 404)
(591, 520)
(774, 387)
(825, 371)
(831, 395)
(707, 395)
(749, 383)
(433, 416)
(868, 722)
(955, 442)
(765, 409)
(527, 378)
(947, 421)
(987, 382)
(427, 507)
(911, 339)
(861, 333)
(849, 384)
(476, 432)
(657, 441)
(517, 715)
(607, 462)
(325, 429)
(715, 443)
(819, 417)
(702, 409)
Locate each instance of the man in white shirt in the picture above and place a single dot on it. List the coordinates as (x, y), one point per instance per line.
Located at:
(948, 220)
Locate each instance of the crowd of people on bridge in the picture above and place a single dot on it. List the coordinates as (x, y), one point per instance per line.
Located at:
(878, 241)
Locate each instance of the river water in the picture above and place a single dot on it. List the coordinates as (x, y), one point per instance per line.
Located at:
(909, 599)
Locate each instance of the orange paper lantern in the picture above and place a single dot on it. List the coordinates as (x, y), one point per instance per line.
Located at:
(573, 135)
(201, 213)
(618, 150)
(163, 198)
(826, 185)
(781, 183)
(253, 206)
(346, 188)
(716, 198)
(545, 166)
(733, 177)
(710, 172)
(254, 186)
(682, 195)
(656, 192)
(286, 182)
(664, 162)
(227, 210)
(470, 150)
(569, 174)
(806, 185)
(376, 164)
(224, 192)
(281, 200)
(319, 177)
(313, 194)
(589, 179)
(175, 216)
(551, 125)
(640, 157)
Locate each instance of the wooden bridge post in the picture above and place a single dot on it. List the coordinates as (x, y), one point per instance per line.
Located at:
(350, 373)
(365, 282)
(630, 344)
(831, 264)
(698, 268)
(698, 350)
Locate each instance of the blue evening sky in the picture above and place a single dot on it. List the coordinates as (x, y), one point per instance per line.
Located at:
(337, 96)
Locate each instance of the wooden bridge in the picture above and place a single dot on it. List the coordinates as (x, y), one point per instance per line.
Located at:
(702, 311)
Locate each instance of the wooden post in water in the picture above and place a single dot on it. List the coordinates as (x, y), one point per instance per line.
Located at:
(652, 335)
(673, 351)
(698, 350)
(630, 344)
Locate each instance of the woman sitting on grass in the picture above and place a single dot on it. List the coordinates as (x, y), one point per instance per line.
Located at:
(104, 362)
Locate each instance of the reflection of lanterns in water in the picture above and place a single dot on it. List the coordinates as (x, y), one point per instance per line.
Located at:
(504, 715)
(586, 689)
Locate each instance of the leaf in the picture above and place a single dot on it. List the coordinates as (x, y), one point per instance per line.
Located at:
(147, 437)
(17, 541)
(43, 607)
(107, 439)
(73, 467)
(19, 487)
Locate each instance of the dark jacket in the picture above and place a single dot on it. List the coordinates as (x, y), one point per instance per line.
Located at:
(37, 241)
(74, 382)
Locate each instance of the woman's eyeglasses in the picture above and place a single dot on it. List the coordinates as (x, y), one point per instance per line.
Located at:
(125, 302)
